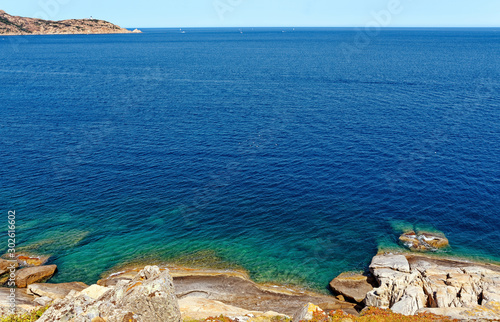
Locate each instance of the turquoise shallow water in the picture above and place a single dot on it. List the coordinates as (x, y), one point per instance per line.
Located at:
(266, 151)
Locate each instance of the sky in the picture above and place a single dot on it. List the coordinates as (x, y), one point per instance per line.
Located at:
(267, 13)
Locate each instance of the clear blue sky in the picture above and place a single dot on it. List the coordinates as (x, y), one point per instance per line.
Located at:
(226, 13)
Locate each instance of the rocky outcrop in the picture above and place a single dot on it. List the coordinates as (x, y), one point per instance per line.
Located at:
(30, 275)
(55, 291)
(14, 25)
(423, 241)
(487, 312)
(352, 286)
(149, 296)
(414, 284)
(236, 289)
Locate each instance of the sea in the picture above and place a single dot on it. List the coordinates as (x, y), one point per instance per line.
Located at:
(291, 153)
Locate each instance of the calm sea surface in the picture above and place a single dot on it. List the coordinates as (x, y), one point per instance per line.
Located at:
(294, 155)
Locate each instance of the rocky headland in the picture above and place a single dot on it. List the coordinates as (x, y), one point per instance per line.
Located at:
(14, 25)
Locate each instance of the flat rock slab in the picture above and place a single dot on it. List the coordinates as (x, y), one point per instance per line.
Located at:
(243, 293)
(55, 291)
(353, 286)
(395, 262)
(236, 289)
(422, 263)
(30, 275)
(24, 301)
(200, 309)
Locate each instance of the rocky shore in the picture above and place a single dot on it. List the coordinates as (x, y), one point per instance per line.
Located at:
(407, 284)
(14, 25)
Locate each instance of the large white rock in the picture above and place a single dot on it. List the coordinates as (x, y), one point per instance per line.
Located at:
(395, 262)
(150, 296)
(412, 300)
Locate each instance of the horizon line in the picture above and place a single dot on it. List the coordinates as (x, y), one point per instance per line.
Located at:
(338, 27)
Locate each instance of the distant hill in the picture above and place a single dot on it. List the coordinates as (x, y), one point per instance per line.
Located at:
(14, 25)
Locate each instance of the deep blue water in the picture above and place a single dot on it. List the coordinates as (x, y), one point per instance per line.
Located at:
(277, 152)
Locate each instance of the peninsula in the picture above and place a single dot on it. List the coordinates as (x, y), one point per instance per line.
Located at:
(14, 25)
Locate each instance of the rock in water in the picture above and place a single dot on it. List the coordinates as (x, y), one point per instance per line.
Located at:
(352, 286)
(29, 260)
(423, 241)
(30, 275)
(149, 296)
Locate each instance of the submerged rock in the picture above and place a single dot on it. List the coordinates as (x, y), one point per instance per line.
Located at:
(32, 260)
(352, 286)
(423, 241)
(30, 275)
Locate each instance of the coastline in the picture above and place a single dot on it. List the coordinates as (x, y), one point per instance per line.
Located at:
(204, 292)
(71, 33)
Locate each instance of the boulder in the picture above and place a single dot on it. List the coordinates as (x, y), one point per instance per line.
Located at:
(413, 300)
(435, 240)
(30, 275)
(424, 241)
(149, 296)
(55, 291)
(352, 286)
(306, 312)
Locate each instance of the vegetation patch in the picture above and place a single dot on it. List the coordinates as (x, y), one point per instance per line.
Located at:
(26, 317)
